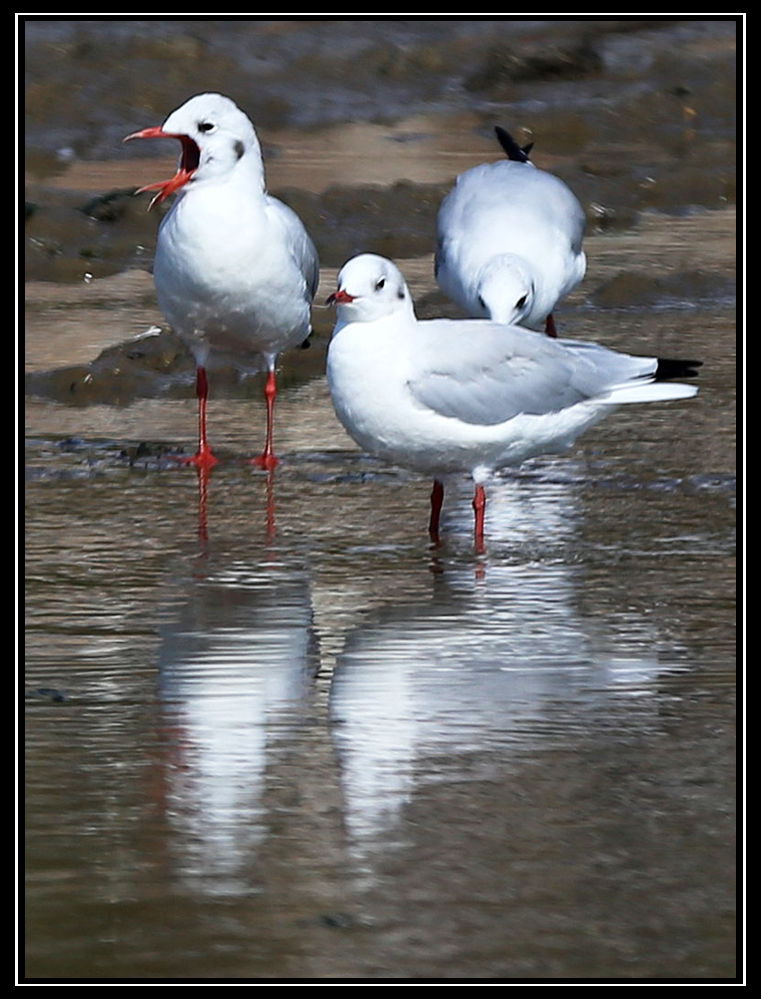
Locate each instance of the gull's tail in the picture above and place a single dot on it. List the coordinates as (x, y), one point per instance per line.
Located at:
(658, 387)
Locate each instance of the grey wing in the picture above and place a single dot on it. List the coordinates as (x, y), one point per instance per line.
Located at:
(309, 263)
(301, 246)
(597, 369)
(486, 374)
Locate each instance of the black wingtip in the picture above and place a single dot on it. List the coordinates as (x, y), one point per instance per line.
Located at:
(669, 368)
(513, 151)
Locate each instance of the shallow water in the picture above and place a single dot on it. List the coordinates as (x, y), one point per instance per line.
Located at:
(271, 732)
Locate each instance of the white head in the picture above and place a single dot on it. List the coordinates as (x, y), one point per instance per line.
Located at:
(370, 287)
(505, 290)
(217, 139)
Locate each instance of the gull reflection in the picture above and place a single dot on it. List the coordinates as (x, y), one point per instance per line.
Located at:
(236, 669)
(488, 667)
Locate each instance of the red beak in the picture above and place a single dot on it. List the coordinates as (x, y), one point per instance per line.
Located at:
(189, 159)
(339, 298)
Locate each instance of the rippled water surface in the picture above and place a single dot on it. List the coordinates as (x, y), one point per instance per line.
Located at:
(270, 731)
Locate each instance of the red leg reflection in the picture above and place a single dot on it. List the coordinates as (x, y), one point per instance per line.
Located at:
(270, 505)
(437, 498)
(204, 474)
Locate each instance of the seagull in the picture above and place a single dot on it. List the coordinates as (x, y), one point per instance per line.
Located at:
(235, 270)
(509, 240)
(469, 396)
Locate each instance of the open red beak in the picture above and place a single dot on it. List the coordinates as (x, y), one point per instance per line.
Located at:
(189, 159)
(339, 298)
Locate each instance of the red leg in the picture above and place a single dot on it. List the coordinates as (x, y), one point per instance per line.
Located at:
(204, 457)
(549, 326)
(267, 458)
(437, 498)
(479, 508)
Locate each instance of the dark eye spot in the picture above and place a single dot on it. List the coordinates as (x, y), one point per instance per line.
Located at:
(205, 126)
(380, 284)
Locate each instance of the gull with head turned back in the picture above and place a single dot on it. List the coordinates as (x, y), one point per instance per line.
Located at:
(509, 240)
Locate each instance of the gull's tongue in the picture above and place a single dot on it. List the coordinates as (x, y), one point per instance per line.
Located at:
(166, 187)
(189, 158)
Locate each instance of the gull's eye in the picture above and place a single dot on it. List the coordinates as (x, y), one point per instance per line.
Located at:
(206, 126)
(380, 284)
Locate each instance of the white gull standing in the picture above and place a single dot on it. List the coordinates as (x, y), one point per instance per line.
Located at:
(235, 269)
(445, 396)
(509, 241)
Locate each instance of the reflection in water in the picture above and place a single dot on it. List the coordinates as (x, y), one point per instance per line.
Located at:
(500, 659)
(235, 668)
(204, 474)
(552, 778)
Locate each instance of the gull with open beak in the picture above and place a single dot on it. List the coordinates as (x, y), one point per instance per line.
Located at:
(235, 270)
